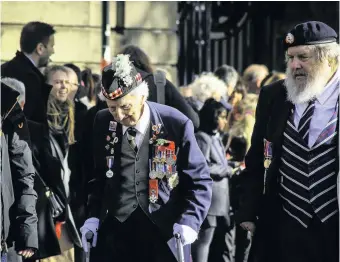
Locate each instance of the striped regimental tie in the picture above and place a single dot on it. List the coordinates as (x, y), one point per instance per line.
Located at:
(305, 120)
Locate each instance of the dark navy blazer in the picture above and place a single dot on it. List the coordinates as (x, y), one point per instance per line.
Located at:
(187, 204)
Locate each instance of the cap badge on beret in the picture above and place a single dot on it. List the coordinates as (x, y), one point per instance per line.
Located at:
(289, 38)
(310, 33)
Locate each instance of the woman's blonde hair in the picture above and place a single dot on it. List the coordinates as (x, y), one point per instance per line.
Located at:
(244, 127)
(60, 114)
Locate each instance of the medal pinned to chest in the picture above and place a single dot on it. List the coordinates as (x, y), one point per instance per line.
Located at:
(162, 165)
(109, 164)
(111, 140)
(268, 153)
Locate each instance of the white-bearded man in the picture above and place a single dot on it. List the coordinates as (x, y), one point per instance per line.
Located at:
(290, 180)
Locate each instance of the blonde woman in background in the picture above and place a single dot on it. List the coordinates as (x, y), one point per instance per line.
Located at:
(242, 120)
(238, 141)
(57, 235)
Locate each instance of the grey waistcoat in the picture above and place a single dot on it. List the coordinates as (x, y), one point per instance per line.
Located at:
(134, 177)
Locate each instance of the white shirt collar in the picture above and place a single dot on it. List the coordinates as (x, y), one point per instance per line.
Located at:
(143, 122)
(30, 59)
(329, 88)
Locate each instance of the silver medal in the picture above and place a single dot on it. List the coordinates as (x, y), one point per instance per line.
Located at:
(153, 175)
(109, 173)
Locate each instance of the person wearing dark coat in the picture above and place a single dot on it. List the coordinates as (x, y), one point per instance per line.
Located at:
(58, 234)
(18, 225)
(37, 45)
(87, 142)
(48, 167)
(151, 179)
(211, 244)
(290, 190)
(173, 97)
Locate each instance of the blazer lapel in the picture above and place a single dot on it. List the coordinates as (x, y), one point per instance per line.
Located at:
(277, 123)
(280, 112)
(158, 129)
(118, 146)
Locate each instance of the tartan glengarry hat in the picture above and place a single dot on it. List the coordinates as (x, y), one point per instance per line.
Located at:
(310, 33)
(120, 77)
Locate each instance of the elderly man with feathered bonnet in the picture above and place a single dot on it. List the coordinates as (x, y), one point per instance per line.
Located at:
(151, 179)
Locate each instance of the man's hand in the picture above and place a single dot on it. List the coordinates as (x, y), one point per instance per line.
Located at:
(249, 226)
(26, 253)
(188, 235)
(90, 225)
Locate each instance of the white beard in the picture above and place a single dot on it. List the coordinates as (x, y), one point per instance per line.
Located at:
(302, 93)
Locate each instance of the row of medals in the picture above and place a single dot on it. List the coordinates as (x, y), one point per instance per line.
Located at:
(162, 163)
(112, 140)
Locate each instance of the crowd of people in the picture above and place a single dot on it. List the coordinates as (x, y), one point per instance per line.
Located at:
(99, 153)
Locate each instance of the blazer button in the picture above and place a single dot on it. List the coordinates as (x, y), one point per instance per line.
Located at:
(138, 194)
(137, 171)
(137, 158)
(137, 183)
(134, 206)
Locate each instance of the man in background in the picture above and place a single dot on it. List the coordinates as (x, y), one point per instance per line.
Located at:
(37, 45)
(253, 75)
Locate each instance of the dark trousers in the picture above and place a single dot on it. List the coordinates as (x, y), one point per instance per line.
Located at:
(215, 242)
(243, 241)
(317, 243)
(136, 239)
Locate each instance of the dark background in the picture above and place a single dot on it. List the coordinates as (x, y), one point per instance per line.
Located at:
(241, 33)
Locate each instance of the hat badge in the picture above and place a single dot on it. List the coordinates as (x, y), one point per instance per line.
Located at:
(289, 38)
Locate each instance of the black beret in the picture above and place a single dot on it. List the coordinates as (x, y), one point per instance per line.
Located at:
(310, 33)
(119, 78)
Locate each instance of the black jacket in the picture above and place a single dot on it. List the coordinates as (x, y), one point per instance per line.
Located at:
(80, 111)
(17, 176)
(265, 208)
(173, 98)
(87, 143)
(37, 91)
(48, 168)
